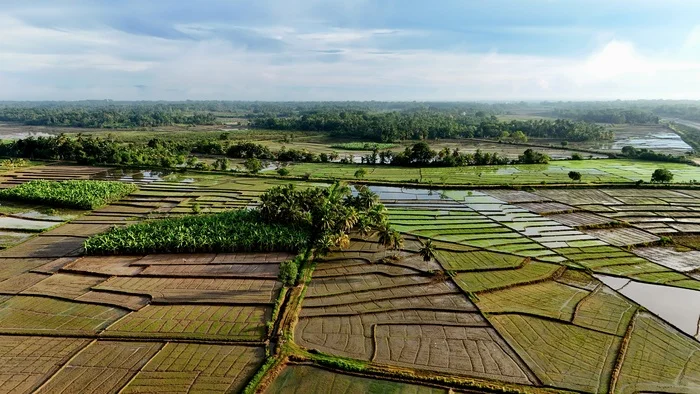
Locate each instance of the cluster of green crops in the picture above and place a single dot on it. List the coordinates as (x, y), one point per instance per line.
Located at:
(230, 231)
(363, 146)
(80, 194)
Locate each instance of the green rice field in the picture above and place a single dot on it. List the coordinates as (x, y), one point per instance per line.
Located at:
(556, 172)
(552, 290)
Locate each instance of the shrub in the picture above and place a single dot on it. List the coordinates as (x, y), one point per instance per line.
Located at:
(531, 156)
(81, 194)
(576, 156)
(253, 165)
(283, 171)
(289, 270)
(574, 175)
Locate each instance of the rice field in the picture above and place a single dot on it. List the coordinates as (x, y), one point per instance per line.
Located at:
(556, 172)
(548, 290)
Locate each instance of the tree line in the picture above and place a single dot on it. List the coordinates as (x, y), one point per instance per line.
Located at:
(103, 117)
(609, 115)
(420, 154)
(395, 126)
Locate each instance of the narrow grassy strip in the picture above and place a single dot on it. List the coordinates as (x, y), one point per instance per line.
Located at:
(363, 146)
(80, 194)
(251, 387)
(230, 231)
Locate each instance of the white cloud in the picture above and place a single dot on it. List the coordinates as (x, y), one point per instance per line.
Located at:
(42, 63)
(692, 42)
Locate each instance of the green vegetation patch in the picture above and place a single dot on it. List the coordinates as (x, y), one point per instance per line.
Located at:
(363, 146)
(472, 282)
(46, 315)
(550, 299)
(659, 359)
(303, 379)
(28, 361)
(605, 310)
(102, 366)
(197, 368)
(231, 231)
(478, 260)
(195, 322)
(561, 354)
(81, 194)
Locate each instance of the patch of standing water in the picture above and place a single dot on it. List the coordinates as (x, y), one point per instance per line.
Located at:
(11, 135)
(133, 176)
(401, 193)
(679, 307)
(10, 223)
(657, 140)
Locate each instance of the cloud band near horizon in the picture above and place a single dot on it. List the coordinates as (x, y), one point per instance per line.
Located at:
(349, 50)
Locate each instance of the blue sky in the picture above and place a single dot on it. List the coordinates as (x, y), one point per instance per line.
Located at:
(349, 50)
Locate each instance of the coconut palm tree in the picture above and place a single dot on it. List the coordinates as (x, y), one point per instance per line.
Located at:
(427, 251)
(366, 199)
(388, 237)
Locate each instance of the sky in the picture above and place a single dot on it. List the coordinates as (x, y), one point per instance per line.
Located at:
(403, 50)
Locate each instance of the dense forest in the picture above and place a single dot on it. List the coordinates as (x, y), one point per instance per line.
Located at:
(633, 112)
(395, 126)
(612, 116)
(282, 108)
(103, 117)
(93, 150)
(365, 120)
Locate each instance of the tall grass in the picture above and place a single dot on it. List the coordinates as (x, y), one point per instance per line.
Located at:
(80, 194)
(231, 231)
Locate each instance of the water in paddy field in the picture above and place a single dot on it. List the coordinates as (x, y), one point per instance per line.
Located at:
(401, 193)
(654, 138)
(654, 141)
(13, 223)
(12, 132)
(679, 307)
(133, 176)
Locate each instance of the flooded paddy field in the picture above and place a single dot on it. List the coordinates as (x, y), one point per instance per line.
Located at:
(590, 290)
(658, 138)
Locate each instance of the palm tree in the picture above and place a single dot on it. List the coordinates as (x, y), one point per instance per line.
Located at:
(377, 215)
(396, 240)
(389, 238)
(337, 192)
(324, 245)
(427, 251)
(366, 198)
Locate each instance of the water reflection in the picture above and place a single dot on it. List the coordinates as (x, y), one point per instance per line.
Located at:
(679, 307)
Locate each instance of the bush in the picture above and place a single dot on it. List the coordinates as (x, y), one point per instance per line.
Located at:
(574, 175)
(283, 171)
(80, 194)
(253, 165)
(576, 156)
(289, 270)
(531, 156)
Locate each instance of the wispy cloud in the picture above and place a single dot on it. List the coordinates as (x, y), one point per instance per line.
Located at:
(316, 50)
